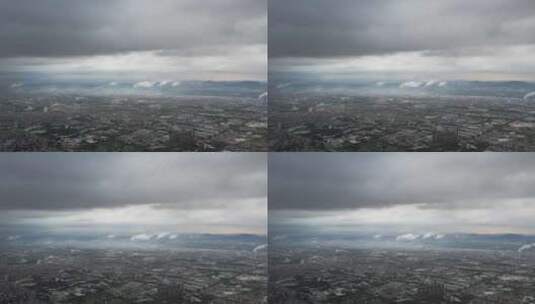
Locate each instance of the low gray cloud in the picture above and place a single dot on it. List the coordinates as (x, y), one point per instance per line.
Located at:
(52, 28)
(78, 181)
(166, 39)
(322, 29)
(337, 181)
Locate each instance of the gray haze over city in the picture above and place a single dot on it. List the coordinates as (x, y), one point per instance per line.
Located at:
(401, 76)
(133, 228)
(133, 75)
(401, 228)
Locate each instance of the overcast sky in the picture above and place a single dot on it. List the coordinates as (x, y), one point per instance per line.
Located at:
(412, 192)
(479, 39)
(166, 39)
(135, 192)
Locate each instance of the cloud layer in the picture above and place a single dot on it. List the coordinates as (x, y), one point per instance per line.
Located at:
(413, 39)
(141, 192)
(52, 28)
(315, 28)
(186, 39)
(410, 193)
(93, 180)
(335, 181)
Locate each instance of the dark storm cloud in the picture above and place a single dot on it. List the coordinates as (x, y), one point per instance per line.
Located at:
(323, 181)
(63, 181)
(321, 28)
(52, 28)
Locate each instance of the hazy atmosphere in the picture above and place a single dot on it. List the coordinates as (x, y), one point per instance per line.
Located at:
(401, 227)
(397, 192)
(133, 75)
(454, 39)
(135, 39)
(133, 228)
(129, 193)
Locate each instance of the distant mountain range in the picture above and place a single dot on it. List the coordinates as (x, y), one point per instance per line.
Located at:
(242, 89)
(421, 87)
(514, 242)
(138, 240)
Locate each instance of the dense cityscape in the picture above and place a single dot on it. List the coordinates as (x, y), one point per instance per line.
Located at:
(65, 122)
(71, 275)
(412, 276)
(323, 122)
